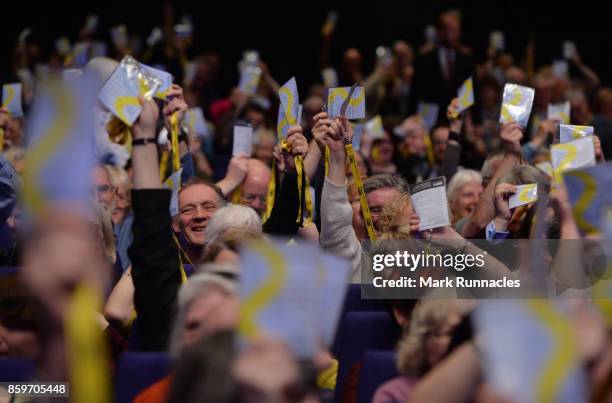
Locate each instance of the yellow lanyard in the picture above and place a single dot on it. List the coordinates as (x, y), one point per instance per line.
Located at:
(174, 135)
(163, 165)
(365, 210)
(271, 194)
(327, 156)
(88, 352)
(182, 254)
(299, 168)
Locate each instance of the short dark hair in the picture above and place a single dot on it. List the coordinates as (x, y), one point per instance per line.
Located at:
(197, 181)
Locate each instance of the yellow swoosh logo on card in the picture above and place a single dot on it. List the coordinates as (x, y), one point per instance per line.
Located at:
(267, 291)
(517, 96)
(579, 131)
(289, 106)
(10, 95)
(342, 93)
(525, 196)
(283, 125)
(584, 201)
(570, 155)
(464, 101)
(563, 355)
(58, 129)
(121, 103)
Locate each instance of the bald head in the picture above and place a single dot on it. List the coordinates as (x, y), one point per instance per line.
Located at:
(255, 186)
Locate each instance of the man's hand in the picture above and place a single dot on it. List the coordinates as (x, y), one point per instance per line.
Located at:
(512, 134)
(319, 130)
(236, 172)
(176, 104)
(237, 169)
(296, 140)
(145, 125)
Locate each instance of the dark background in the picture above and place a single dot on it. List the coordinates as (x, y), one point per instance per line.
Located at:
(287, 34)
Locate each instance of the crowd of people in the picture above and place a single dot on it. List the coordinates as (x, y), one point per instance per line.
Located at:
(165, 264)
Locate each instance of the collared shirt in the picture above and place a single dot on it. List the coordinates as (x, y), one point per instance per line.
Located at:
(446, 56)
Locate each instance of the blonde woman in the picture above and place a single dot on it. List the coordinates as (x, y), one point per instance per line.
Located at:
(121, 212)
(427, 340)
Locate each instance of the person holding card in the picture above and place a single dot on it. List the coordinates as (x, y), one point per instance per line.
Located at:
(446, 143)
(440, 71)
(411, 160)
(513, 220)
(282, 220)
(246, 182)
(155, 299)
(341, 221)
(496, 166)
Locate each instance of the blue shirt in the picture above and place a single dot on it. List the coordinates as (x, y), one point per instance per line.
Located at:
(493, 235)
(123, 240)
(9, 183)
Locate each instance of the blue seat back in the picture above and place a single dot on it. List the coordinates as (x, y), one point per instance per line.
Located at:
(138, 371)
(16, 370)
(362, 331)
(378, 368)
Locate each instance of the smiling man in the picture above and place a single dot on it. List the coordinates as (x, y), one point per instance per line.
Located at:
(154, 254)
(198, 201)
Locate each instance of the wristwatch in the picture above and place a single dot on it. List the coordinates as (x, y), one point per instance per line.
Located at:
(144, 142)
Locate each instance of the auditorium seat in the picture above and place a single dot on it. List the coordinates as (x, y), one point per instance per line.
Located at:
(378, 368)
(362, 331)
(137, 371)
(16, 370)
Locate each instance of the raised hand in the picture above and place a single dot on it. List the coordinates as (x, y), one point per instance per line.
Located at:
(512, 134)
(146, 124)
(176, 103)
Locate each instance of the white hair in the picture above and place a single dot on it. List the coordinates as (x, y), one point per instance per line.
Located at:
(460, 179)
(197, 286)
(232, 216)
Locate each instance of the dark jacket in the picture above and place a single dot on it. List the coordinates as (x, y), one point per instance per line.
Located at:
(431, 85)
(155, 267)
(155, 256)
